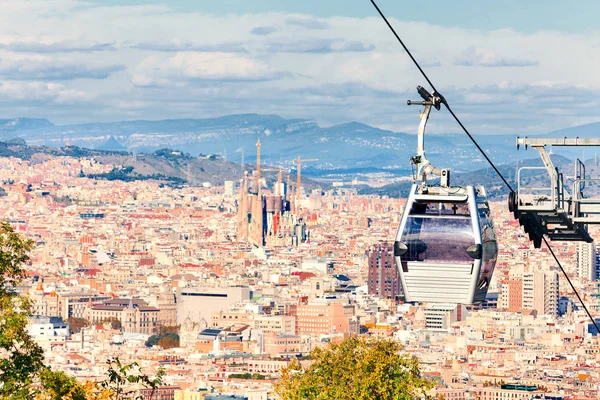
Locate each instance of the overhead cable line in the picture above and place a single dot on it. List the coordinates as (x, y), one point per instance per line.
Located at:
(571, 283)
(436, 93)
(443, 100)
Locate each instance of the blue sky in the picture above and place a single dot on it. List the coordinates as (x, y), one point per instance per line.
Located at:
(506, 66)
(526, 16)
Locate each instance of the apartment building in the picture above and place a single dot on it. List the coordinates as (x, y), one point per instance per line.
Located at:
(440, 317)
(511, 298)
(383, 280)
(586, 261)
(323, 318)
(540, 292)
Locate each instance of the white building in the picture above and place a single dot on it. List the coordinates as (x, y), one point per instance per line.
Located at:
(319, 264)
(540, 292)
(279, 324)
(198, 303)
(586, 261)
(229, 188)
(440, 317)
(51, 329)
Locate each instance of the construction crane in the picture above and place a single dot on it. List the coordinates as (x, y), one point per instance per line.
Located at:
(258, 161)
(298, 184)
(278, 187)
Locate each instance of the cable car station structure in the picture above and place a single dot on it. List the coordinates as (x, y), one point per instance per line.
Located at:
(550, 209)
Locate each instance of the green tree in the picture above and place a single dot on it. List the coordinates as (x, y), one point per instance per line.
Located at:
(75, 324)
(168, 342)
(248, 375)
(20, 357)
(60, 386)
(169, 329)
(165, 340)
(115, 323)
(357, 368)
(124, 381)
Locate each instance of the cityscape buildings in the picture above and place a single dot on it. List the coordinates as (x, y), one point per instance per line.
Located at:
(115, 263)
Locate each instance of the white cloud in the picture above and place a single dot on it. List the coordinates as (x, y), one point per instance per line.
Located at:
(44, 45)
(318, 46)
(306, 22)
(36, 92)
(178, 45)
(184, 67)
(263, 30)
(473, 57)
(44, 68)
(332, 69)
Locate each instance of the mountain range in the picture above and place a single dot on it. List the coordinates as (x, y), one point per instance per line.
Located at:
(495, 187)
(345, 149)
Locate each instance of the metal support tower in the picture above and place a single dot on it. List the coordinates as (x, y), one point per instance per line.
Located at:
(550, 209)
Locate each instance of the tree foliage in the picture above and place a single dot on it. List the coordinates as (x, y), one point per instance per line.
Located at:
(13, 256)
(357, 368)
(166, 340)
(127, 174)
(121, 380)
(20, 357)
(75, 324)
(169, 329)
(168, 343)
(60, 386)
(115, 323)
(248, 375)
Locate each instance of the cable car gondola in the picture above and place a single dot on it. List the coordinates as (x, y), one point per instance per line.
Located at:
(446, 248)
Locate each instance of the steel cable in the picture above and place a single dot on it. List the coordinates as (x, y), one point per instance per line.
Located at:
(442, 97)
(444, 101)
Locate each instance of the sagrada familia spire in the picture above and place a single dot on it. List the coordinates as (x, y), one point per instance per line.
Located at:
(267, 218)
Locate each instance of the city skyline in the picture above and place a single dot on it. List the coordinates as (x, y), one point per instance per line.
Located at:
(134, 262)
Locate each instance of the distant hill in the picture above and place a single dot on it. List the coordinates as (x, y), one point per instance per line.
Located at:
(494, 185)
(346, 147)
(18, 124)
(583, 131)
(170, 166)
(112, 145)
